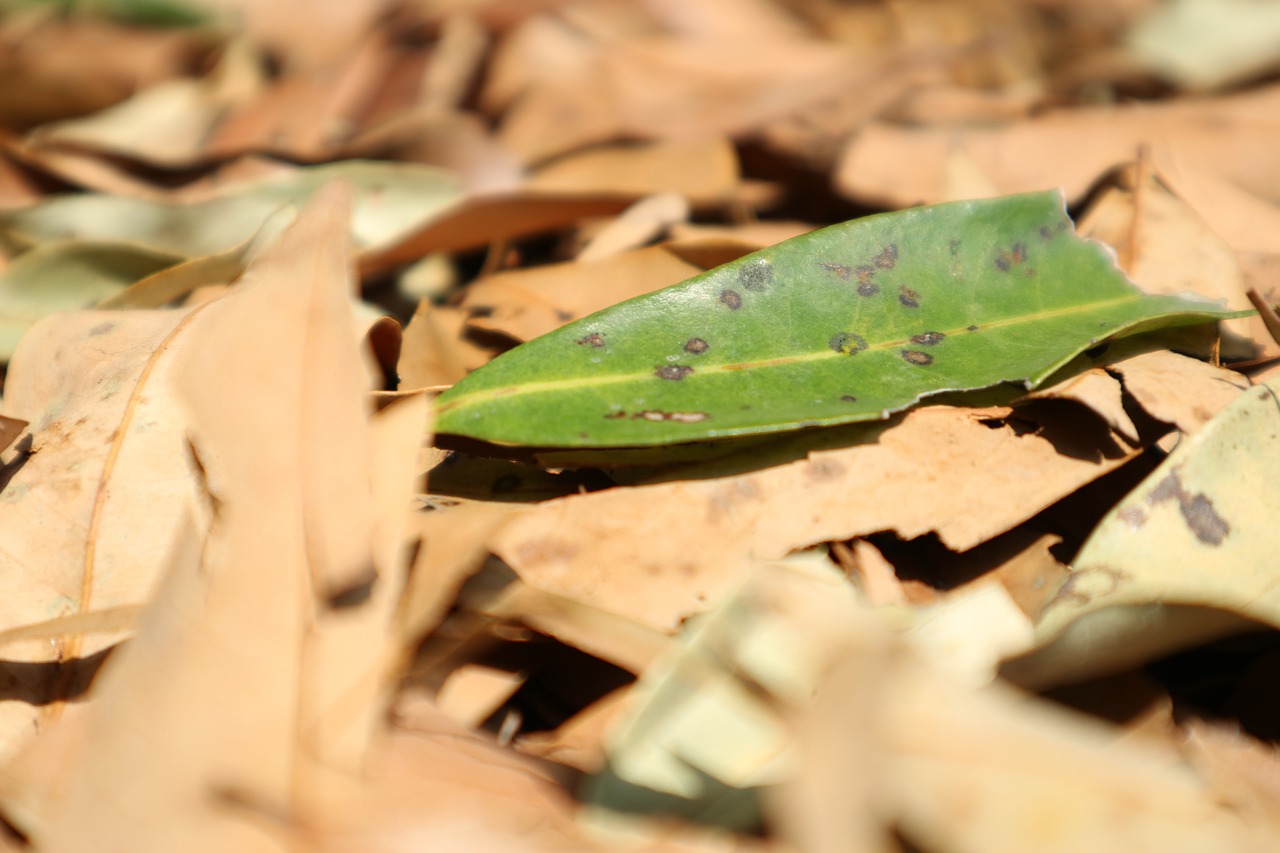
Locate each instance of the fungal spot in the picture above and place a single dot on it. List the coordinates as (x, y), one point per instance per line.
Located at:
(864, 274)
(613, 416)
(757, 275)
(696, 346)
(657, 416)
(1197, 510)
(914, 356)
(954, 247)
(1045, 232)
(840, 270)
(848, 398)
(595, 339)
(971, 328)
(674, 372)
(731, 298)
(928, 339)
(1010, 258)
(847, 343)
(868, 289)
(908, 297)
(887, 258)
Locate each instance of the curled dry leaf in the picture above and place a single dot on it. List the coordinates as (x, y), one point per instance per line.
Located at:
(1198, 533)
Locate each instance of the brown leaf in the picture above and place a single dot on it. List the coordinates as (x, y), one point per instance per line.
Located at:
(1226, 137)
(927, 472)
(1178, 390)
(209, 706)
(93, 502)
(526, 303)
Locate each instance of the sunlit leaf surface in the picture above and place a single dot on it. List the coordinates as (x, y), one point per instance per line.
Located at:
(849, 323)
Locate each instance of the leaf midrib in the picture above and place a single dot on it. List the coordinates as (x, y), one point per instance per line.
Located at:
(477, 397)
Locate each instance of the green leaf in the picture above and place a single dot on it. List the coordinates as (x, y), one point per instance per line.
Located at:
(850, 323)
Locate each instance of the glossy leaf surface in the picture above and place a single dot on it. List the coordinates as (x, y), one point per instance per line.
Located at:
(849, 323)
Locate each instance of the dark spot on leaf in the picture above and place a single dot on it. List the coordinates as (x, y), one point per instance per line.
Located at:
(697, 346)
(673, 371)
(847, 343)
(914, 356)
(971, 328)
(848, 398)
(613, 416)
(908, 297)
(1010, 258)
(595, 339)
(757, 275)
(1204, 521)
(954, 247)
(1197, 510)
(928, 339)
(839, 269)
(887, 258)
(731, 298)
(1046, 233)
(868, 289)
(101, 329)
(864, 273)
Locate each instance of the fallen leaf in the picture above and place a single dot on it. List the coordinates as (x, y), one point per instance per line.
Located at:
(926, 472)
(1194, 535)
(1178, 390)
(850, 323)
(1226, 137)
(705, 171)
(524, 304)
(108, 455)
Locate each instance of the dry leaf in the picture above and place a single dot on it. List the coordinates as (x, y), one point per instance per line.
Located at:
(93, 503)
(1227, 137)
(927, 472)
(523, 304)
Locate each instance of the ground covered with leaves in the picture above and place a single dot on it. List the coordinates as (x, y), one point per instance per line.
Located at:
(857, 540)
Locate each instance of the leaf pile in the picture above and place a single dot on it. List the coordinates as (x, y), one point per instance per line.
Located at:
(726, 424)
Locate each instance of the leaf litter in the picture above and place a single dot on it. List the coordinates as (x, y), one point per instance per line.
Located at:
(237, 615)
